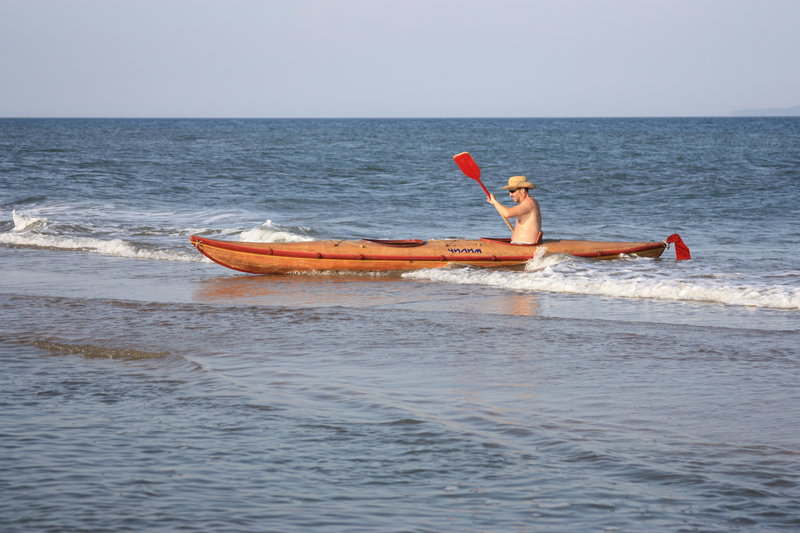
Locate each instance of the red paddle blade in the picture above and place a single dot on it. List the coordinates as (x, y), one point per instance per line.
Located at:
(468, 165)
(681, 250)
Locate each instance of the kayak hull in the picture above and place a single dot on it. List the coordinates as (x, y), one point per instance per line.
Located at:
(368, 255)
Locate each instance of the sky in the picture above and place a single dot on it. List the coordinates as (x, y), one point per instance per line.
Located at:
(397, 58)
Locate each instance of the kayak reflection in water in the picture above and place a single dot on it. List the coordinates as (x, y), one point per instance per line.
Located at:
(528, 227)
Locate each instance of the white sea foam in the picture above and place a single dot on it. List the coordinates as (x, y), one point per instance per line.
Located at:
(724, 290)
(540, 261)
(27, 223)
(115, 247)
(28, 231)
(39, 232)
(268, 232)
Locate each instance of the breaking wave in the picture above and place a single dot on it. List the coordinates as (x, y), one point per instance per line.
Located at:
(152, 242)
(269, 232)
(638, 278)
(36, 232)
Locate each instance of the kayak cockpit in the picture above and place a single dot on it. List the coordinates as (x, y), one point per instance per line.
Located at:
(398, 243)
(507, 240)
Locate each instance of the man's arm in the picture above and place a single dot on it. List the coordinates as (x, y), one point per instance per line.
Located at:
(510, 212)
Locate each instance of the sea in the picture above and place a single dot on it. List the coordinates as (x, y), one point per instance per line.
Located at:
(145, 388)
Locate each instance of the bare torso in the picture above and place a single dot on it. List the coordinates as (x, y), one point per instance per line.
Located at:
(529, 221)
(529, 218)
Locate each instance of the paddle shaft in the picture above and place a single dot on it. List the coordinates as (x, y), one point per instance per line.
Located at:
(483, 187)
(501, 216)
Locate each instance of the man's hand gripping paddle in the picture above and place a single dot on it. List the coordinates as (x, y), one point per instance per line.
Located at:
(469, 167)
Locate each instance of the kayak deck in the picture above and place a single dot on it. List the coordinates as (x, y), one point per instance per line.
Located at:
(374, 255)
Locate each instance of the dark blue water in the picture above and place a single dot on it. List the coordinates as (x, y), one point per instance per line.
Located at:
(143, 388)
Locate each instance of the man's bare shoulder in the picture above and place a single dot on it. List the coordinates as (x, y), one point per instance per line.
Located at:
(530, 203)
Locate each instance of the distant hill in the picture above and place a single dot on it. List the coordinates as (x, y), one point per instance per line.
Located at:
(769, 112)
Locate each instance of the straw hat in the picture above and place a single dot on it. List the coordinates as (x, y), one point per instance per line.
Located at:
(519, 182)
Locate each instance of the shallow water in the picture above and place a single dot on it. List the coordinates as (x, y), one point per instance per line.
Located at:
(143, 388)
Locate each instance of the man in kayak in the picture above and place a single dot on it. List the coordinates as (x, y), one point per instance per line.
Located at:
(528, 227)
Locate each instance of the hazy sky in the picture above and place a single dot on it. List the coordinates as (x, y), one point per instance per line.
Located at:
(396, 58)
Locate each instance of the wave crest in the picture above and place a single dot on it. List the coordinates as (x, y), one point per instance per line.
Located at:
(28, 232)
(574, 279)
(268, 232)
(26, 223)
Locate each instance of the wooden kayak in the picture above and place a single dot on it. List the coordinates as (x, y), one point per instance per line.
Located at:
(374, 255)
